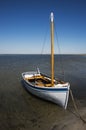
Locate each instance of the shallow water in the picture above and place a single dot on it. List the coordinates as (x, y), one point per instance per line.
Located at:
(19, 110)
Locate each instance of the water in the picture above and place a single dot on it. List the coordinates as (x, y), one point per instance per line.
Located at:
(19, 110)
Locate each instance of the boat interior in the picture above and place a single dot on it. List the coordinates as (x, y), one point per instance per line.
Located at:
(42, 81)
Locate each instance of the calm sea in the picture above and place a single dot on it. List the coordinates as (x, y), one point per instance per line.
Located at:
(16, 102)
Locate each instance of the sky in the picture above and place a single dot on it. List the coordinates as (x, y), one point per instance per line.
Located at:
(25, 26)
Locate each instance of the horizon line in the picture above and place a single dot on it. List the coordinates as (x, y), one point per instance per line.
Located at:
(42, 54)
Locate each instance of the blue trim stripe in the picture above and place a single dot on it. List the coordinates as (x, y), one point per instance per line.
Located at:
(47, 89)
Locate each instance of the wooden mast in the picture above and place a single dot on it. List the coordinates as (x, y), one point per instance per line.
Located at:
(52, 48)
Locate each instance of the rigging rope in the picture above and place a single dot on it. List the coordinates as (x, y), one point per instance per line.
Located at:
(44, 41)
(75, 106)
(43, 45)
(59, 50)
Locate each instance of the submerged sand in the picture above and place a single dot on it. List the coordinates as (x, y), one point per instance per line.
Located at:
(19, 110)
(71, 122)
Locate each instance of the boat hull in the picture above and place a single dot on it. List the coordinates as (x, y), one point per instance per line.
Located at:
(57, 95)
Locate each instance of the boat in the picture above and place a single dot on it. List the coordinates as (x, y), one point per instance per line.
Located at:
(45, 87)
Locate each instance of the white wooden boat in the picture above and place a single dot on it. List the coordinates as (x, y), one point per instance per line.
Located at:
(46, 87)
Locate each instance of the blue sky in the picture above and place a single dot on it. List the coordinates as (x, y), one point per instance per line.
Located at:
(24, 23)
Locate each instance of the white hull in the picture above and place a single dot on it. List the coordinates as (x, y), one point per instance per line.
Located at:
(58, 94)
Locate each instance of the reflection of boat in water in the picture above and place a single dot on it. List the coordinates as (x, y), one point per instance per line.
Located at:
(45, 87)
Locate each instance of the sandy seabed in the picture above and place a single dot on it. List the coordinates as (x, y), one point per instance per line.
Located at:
(71, 122)
(20, 110)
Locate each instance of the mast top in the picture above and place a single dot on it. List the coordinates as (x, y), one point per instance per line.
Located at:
(51, 16)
